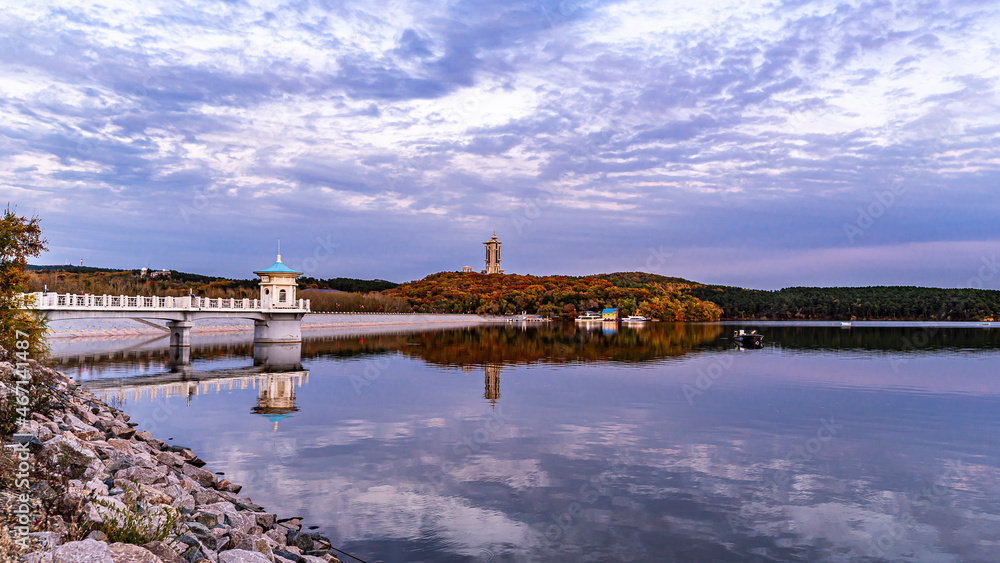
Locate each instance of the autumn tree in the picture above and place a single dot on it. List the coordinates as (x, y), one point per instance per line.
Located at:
(20, 238)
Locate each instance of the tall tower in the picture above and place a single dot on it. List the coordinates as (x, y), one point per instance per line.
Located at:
(493, 255)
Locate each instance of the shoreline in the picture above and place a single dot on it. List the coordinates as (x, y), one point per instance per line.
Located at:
(313, 321)
(86, 455)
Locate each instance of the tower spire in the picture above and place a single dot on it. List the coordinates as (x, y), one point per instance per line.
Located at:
(279, 250)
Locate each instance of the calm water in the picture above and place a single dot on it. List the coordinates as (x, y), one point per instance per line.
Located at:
(560, 444)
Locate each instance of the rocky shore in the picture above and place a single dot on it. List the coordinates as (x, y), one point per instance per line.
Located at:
(80, 483)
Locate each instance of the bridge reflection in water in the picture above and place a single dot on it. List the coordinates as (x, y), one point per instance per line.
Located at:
(276, 373)
(275, 390)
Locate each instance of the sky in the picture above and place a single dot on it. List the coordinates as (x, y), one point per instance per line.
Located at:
(763, 145)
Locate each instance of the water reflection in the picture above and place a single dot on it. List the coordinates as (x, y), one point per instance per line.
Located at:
(827, 445)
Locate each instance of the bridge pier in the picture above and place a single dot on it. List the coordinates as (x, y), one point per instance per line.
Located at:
(180, 333)
(278, 328)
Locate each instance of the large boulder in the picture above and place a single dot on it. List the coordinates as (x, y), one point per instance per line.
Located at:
(164, 552)
(64, 450)
(86, 551)
(128, 553)
(204, 477)
(242, 556)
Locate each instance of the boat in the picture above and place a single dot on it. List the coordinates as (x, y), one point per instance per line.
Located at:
(589, 316)
(748, 339)
(845, 324)
(635, 319)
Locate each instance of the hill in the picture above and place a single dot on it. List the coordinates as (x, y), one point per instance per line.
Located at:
(654, 296)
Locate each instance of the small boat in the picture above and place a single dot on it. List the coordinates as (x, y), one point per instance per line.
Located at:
(748, 339)
(845, 324)
(589, 316)
(635, 319)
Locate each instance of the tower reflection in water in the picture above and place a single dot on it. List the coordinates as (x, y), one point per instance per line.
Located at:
(276, 397)
(491, 380)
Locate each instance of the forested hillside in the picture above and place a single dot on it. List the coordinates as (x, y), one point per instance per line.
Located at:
(651, 295)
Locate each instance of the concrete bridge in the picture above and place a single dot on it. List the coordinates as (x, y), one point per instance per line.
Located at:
(277, 315)
(276, 323)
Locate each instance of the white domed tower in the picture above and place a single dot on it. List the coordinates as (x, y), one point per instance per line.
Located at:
(277, 286)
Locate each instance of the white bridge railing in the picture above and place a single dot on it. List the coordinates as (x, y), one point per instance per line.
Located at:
(72, 302)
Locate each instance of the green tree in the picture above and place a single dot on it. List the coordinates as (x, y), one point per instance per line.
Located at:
(20, 238)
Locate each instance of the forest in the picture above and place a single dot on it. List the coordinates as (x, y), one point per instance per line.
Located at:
(658, 297)
(853, 303)
(654, 296)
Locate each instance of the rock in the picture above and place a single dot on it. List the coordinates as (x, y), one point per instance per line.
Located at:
(203, 476)
(145, 436)
(193, 553)
(264, 520)
(209, 519)
(85, 414)
(251, 543)
(128, 553)
(64, 450)
(164, 552)
(242, 556)
(153, 495)
(277, 536)
(170, 458)
(86, 551)
(37, 557)
(301, 541)
(141, 475)
(123, 432)
(204, 497)
(48, 540)
(122, 445)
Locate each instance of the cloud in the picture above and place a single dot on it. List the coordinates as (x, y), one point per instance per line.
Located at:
(450, 120)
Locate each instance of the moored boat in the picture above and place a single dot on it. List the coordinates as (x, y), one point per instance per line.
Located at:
(748, 339)
(635, 319)
(589, 316)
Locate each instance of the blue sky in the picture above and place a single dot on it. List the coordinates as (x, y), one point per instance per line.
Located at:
(794, 143)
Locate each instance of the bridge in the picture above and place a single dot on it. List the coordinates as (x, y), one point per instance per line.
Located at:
(277, 315)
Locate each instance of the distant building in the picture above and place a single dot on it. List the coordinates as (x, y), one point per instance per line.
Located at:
(466, 269)
(159, 274)
(493, 255)
(609, 314)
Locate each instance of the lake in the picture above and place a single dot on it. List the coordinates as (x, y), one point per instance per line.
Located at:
(562, 443)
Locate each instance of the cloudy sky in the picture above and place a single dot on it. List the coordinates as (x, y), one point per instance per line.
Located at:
(795, 143)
